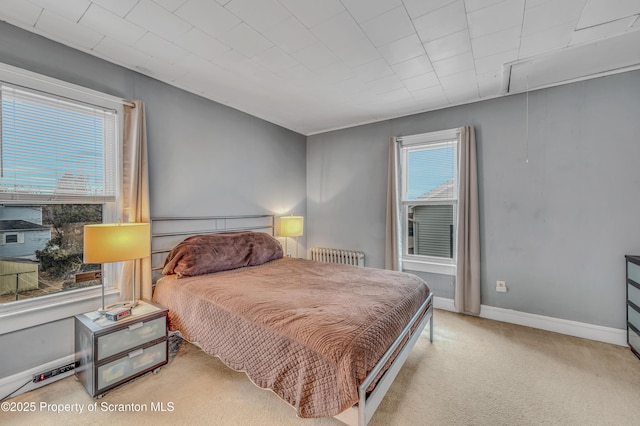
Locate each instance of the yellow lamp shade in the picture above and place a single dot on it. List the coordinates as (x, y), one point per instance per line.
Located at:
(116, 242)
(291, 226)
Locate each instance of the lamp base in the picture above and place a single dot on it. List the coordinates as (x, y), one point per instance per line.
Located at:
(118, 305)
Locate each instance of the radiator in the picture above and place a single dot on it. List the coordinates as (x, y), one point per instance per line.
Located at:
(329, 255)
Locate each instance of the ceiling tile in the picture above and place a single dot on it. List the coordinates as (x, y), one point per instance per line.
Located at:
(497, 17)
(210, 17)
(120, 53)
(460, 87)
(119, 7)
(332, 73)
(298, 76)
(68, 31)
(161, 70)
(261, 15)
(472, 5)
(535, 3)
(454, 64)
(412, 67)
(223, 2)
(448, 46)
(275, 60)
(315, 56)
(20, 11)
(431, 95)
(245, 40)
(550, 39)
(160, 48)
(313, 12)
(417, 8)
(373, 70)
(489, 85)
(397, 95)
(402, 50)
(550, 14)
(388, 27)
(442, 22)
(422, 81)
(290, 35)
(494, 63)
(495, 43)
(598, 11)
(111, 25)
(597, 32)
(170, 5)
(201, 43)
(338, 31)
(387, 84)
(360, 54)
(157, 19)
(69, 9)
(363, 10)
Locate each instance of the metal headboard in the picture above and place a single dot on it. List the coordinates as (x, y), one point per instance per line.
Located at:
(166, 232)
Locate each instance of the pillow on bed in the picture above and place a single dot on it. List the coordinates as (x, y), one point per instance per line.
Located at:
(203, 254)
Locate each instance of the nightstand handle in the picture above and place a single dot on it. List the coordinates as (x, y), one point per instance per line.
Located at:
(135, 353)
(136, 325)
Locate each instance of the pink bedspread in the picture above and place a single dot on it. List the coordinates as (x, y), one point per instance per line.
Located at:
(309, 331)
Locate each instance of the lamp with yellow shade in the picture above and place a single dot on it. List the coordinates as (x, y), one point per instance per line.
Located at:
(116, 242)
(291, 226)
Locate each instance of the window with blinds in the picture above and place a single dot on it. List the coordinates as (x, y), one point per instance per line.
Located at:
(429, 194)
(55, 150)
(58, 172)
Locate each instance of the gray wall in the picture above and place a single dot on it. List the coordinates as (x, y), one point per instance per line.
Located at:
(204, 159)
(555, 228)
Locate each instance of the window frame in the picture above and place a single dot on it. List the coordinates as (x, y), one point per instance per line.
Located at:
(422, 263)
(31, 312)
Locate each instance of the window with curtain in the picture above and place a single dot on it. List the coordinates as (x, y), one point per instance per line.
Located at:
(429, 188)
(58, 172)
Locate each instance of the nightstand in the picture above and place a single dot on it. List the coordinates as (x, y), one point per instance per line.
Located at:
(109, 353)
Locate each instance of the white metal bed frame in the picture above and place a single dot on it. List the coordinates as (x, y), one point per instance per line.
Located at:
(368, 402)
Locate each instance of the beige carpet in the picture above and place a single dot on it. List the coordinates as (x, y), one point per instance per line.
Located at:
(476, 372)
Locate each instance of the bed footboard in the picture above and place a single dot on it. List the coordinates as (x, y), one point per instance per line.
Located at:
(369, 402)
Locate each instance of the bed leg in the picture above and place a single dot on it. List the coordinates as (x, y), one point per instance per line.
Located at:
(431, 328)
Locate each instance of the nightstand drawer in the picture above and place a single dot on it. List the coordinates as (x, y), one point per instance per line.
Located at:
(634, 340)
(633, 317)
(136, 334)
(633, 272)
(135, 362)
(633, 294)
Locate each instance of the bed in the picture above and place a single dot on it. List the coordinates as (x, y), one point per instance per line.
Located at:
(323, 337)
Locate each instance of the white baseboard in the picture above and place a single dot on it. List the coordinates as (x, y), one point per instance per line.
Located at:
(572, 328)
(12, 383)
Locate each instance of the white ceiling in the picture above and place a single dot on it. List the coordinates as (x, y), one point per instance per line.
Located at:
(317, 65)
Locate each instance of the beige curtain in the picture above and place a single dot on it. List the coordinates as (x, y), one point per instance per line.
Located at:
(135, 198)
(392, 250)
(467, 289)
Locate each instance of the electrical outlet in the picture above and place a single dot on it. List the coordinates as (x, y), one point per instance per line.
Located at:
(501, 287)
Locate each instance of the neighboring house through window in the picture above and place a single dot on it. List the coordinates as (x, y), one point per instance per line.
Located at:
(429, 188)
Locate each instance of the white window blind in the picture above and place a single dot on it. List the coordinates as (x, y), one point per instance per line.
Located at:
(429, 165)
(55, 150)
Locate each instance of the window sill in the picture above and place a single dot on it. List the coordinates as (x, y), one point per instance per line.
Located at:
(32, 312)
(431, 267)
